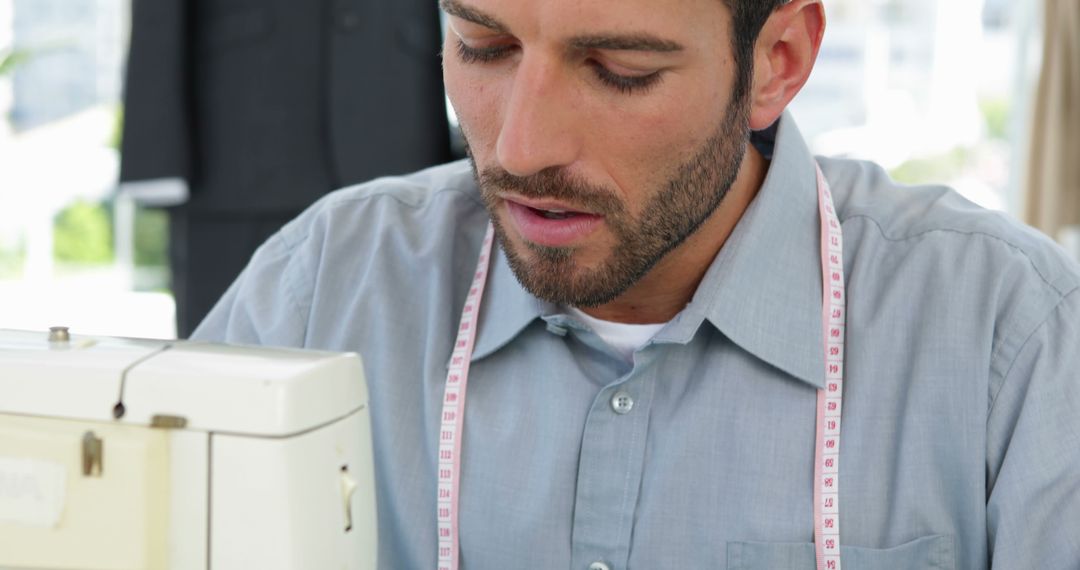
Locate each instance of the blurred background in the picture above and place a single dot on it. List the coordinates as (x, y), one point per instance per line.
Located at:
(935, 90)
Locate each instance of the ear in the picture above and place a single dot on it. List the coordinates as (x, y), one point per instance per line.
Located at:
(784, 56)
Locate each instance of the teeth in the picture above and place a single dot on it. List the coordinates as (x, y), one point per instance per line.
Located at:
(555, 214)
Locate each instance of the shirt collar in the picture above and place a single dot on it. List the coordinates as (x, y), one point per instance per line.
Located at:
(762, 291)
(506, 309)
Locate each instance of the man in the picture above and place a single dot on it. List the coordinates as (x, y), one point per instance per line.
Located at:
(649, 349)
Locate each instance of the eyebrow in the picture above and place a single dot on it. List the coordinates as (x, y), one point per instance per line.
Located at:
(621, 42)
(630, 42)
(473, 15)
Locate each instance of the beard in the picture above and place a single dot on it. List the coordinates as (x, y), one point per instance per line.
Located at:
(674, 212)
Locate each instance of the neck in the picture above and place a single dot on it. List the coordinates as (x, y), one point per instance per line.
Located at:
(670, 285)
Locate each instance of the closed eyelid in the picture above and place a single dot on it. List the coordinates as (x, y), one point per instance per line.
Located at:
(628, 70)
(623, 83)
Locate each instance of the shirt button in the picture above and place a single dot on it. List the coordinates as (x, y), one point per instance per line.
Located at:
(599, 566)
(622, 403)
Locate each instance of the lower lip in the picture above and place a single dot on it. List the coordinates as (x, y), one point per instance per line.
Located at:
(547, 232)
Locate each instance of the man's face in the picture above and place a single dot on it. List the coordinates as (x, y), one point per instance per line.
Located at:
(602, 131)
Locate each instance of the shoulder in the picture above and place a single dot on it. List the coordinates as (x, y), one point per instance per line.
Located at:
(948, 264)
(415, 205)
(387, 242)
(384, 233)
(399, 217)
(936, 218)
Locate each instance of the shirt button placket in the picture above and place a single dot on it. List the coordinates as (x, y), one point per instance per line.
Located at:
(610, 469)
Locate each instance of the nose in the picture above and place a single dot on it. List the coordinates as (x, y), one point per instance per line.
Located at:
(538, 129)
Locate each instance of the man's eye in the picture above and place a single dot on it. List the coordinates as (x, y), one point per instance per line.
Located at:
(481, 55)
(622, 83)
(625, 84)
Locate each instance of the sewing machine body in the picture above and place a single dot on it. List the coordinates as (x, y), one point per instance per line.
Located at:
(126, 454)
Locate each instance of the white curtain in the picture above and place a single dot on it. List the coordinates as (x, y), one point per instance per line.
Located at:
(1053, 181)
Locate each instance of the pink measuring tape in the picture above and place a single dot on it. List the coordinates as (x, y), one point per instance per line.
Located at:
(453, 414)
(829, 401)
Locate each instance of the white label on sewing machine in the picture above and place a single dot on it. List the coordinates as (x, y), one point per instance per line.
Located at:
(31, 491)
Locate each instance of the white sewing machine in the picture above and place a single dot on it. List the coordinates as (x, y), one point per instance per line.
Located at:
(120, 454)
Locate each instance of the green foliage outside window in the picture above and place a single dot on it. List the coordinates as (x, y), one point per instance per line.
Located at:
(82, 234)
(12, 257)
(933, 169)
(997, 114)
(9, 60)
(117, 134)
(151, 238)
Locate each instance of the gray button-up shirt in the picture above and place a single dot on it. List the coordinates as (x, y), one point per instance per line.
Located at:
(961, 441)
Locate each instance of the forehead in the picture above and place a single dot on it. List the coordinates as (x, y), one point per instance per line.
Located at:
(691, 22)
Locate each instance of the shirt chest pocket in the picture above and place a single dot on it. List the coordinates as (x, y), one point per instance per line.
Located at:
(929, 552)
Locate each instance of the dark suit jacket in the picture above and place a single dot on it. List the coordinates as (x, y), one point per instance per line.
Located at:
(265, 105)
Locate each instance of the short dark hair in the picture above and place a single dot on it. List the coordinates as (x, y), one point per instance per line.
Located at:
(747, 19)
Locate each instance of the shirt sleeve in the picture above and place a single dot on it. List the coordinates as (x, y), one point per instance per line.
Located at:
(1033, 449)
(263, 306)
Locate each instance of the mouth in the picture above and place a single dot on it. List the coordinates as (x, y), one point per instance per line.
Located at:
(550, 223)
(554, 214)
(548, 207)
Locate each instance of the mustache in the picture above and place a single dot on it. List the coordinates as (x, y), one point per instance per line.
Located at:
(551, 183)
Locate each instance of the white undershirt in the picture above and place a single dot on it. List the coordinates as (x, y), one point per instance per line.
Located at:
(624, 338)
